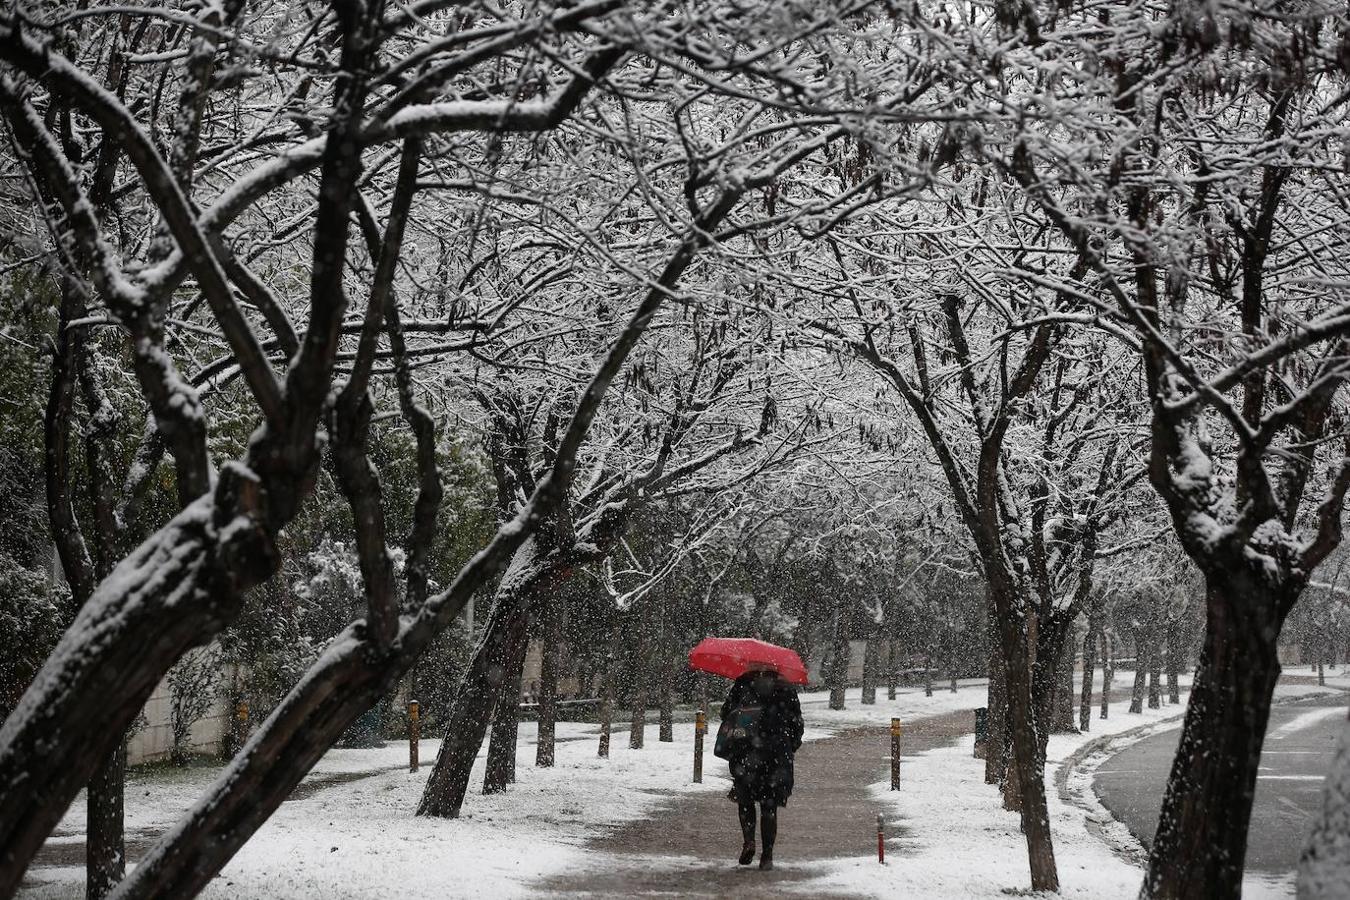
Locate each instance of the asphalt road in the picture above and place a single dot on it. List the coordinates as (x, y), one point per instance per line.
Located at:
(1300, 741)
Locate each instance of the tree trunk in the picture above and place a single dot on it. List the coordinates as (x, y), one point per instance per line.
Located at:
(1154, 669)
(1108, 672)
(996, 757)
(892, 667)
(1089, 673)
(1173, 667)
(347, 680)
(928, 675)
(466, 722)
(1324, 867)
(871, 659)
(105, 853)
(1062, 719)
(839, 660)
(500, 770)
(1027, 758)
(544, 751)
(74, 714)
(609, 684)
(1201, 842)
(637, 725)
(1141, 667)
(666, 700)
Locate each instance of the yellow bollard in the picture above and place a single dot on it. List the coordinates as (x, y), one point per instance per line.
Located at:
(414, 732)
(895, 754)
(700, 726)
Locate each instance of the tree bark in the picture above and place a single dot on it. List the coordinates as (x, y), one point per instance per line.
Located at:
(1108, 672)
(1141, 667)
(500, 770)
(839, 660)
(637, 726)
(1062, 719)
(466, 722)
(105, 847)
(871, 654)
(1089, 674)
(996, 757)
(892, 667)
(666, 682)
(609, 686)
(1028, 759)
(1201, 842)
(1173, 667)
(544, 753)
(1324, 866)
(1155, 668)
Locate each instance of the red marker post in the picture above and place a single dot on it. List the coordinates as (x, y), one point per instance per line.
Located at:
(881, 839)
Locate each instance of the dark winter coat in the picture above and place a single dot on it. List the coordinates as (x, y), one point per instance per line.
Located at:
(762, 770)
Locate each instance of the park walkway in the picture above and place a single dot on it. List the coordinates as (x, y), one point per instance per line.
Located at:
(687, 847)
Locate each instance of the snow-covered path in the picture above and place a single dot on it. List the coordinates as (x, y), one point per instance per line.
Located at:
(634, 824)
(688, 845)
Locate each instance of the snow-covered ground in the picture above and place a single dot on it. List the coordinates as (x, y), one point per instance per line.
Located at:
(357, 836)
(959, 841)
(909, 702)
(354, 833)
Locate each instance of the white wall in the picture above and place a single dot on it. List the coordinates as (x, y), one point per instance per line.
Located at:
(154, 742)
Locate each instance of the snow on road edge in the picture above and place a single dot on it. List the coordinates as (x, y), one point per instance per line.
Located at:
(950, 836)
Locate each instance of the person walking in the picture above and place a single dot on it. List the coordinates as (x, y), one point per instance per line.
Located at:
(760, 732)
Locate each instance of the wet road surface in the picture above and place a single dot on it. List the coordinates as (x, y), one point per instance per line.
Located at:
(1300, 741)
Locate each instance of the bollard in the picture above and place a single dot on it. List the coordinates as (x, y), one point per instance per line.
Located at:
(414, 732)
(881, 839)
(895, 754)
(700, 726)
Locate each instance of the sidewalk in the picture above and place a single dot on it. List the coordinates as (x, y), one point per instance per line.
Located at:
(688, 845)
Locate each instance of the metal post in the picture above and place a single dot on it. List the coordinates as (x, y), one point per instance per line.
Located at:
(881, 839)
(414, 732)
(895, 754)
(700, 726)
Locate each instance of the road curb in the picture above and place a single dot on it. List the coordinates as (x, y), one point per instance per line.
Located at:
(1073, 778)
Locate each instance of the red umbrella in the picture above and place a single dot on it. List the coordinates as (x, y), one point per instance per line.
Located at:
(733, 657)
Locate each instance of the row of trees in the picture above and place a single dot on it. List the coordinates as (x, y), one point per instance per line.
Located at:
(882, 305)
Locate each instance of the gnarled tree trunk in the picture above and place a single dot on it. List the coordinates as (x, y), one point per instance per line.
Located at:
(544, 753)
(1201, 842)
(500, 770)
(466, 721)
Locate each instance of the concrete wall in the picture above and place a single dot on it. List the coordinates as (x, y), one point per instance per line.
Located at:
(153, 742)
(856, 650)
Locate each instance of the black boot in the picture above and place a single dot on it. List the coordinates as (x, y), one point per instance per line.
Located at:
(746, 813)
(768, 819)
